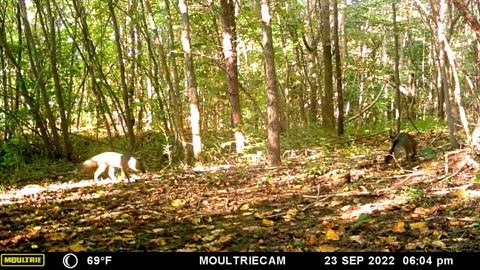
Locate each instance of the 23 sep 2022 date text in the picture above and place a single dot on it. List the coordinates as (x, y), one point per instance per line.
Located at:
(379, 260)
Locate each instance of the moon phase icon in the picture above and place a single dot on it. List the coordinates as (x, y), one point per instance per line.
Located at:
(70, 264)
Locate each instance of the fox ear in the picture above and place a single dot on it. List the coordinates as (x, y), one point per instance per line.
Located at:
(136, 165)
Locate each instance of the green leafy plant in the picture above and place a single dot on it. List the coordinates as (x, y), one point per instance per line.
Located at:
(362, 219)
(10, 154)
(477, 178)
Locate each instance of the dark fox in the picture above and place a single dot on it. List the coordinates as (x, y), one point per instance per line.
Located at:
(110, 161)
(402, 141)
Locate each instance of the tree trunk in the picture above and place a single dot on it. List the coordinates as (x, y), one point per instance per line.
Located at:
(328, 112)
(273, 128)
(39, 78)
(229, 41)
(175, 91)
(313, 76)
(51, 43)
(474, 24)
(341, 25)
(153, 40)
(129, 121)
(338, 69)
(285, 90)
(300, 89)
(32, 105)
(190, 82)
(160, 70)
(96, 73)
(396, 73)
(438, 10)
(136, 78)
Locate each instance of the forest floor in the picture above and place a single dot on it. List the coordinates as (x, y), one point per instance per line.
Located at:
(319, 200)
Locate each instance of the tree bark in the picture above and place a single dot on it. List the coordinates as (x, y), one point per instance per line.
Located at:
(39, 78)
(33, 107)
(328, 112)
(123, 81)
(190, 81)
(50, 37)
(312, 77)
(438, 9)
(229, 42)
(175, 90)
(338, 70)
(273, 127)
(474, 24)
(396, 73)
(155, 73)
(96, 73)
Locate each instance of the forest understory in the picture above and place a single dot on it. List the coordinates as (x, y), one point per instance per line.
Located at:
(320, 199)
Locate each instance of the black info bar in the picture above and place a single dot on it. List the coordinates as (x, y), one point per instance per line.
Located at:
(239, 260)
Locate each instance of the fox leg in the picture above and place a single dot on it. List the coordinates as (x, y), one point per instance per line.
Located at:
(125, 174)
(101, 168)
(111, 172)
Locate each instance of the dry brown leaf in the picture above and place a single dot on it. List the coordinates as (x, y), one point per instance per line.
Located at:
(56, 236)
(460, 193)
(326, 248)
(267, 222)
(77, 248)
(417, 225)
(358, 238)
(224, 238)
(399, 227)
(159, 241)
(332, 235)
(421, 211)
(292, 212)
(311, 240)
(177, 202)
(408, 207)
(187, 249)
(439, 244)
(425, 211)
(196, 221)
(213, 249)
(244, 207)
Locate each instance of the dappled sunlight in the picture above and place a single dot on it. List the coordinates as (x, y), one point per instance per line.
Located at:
(353, 212)
(22, 195)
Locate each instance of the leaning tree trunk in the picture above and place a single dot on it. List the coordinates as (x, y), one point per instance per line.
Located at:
(438, 10)
(39, 78)
(32, 105)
